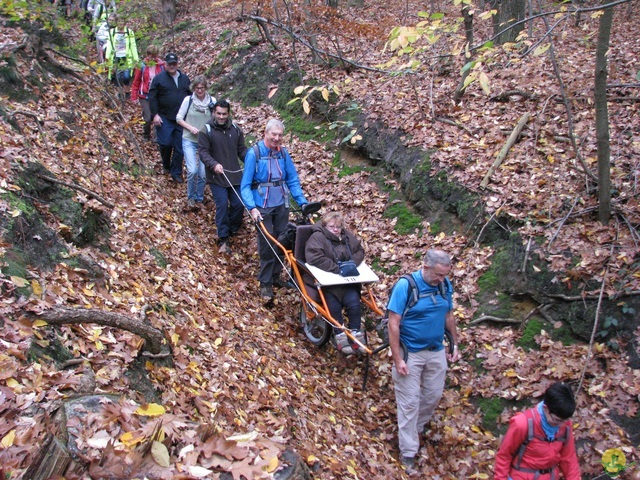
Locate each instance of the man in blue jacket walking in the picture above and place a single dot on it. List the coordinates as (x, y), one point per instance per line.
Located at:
(166, 93)
(268, 179)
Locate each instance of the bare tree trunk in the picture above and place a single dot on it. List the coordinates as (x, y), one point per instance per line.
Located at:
(308, 25)
(168, 11)
(602, 117)
(509, 12)
(468, 31)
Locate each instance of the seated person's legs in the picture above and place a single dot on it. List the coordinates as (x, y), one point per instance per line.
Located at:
(351, 301)
(335, 308)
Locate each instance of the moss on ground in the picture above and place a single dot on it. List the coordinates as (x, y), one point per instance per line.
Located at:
(49, 348)
(161, 260)
(407, 222)
(491, 410)
(527, 340)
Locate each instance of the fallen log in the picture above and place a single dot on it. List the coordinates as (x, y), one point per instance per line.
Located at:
(505, 149)
(154, 338)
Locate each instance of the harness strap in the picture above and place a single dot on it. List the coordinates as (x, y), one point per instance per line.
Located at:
(277, 183)
(523, 447)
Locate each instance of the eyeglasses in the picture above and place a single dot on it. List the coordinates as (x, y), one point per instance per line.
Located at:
(200, 87)
(334, 227)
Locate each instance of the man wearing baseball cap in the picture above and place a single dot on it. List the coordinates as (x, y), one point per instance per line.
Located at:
(166, 93)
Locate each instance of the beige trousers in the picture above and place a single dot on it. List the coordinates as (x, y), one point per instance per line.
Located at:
(417, 396)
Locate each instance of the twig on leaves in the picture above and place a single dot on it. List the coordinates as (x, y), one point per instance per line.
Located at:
(632, 229)
(68, 57)
(63, 68)
(94, 195)
(578, 298)
(452, 122)
(595, 323)
(562, 222)
(567, 106)
(477, 242)
(289, 31)
(124, 121)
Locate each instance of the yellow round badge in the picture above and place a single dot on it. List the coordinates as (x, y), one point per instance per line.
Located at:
(613, 461)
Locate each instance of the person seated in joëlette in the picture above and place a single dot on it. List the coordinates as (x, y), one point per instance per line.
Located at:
(329, 244)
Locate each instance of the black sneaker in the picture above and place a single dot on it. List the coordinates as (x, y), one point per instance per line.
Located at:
(279, 283)
(177, 179)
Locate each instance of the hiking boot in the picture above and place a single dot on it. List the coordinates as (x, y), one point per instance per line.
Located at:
(191, 204)
(199, 205)
(224, 248)
(343, 344)
(409, 465)
(177, 179)
(266, 291)
(279, 283)
(360, 337)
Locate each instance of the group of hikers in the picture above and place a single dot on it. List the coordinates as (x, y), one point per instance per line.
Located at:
(189, 122)
(195, 130)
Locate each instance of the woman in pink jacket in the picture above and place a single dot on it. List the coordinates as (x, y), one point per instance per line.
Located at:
(539, 444)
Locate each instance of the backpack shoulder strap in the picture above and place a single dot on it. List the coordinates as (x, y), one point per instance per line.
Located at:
(188, 107)
(413, 297)
(208, 128)
(256, 152)
(523, 446)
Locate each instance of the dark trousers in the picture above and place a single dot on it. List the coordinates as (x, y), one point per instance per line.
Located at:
(229, 209)
(169, 138)
(347, 297)
(275, 220)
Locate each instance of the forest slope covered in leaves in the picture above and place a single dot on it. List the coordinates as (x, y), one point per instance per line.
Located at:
(241, 383)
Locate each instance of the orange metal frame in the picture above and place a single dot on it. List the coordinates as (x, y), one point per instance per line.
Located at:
(311, 307)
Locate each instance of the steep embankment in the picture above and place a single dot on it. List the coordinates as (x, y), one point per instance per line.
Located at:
(237, 367)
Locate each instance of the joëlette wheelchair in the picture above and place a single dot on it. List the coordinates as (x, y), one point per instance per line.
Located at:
(315, 318)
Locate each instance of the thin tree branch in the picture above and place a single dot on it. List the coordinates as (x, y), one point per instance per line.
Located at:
(310, 47)
(567, 106)
(555, 235)
(106, 203)
(595, 324)
(35, 117)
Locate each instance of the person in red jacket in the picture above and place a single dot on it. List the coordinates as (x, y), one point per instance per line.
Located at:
(143, 74)
(539, 444)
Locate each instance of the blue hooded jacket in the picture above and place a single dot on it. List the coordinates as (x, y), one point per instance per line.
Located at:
(258, 170)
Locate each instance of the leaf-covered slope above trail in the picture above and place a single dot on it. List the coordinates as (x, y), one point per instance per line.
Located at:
(239, 366)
